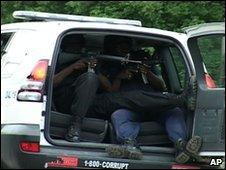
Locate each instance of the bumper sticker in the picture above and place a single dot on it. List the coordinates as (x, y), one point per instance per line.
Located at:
(63, 162)
(105, 164)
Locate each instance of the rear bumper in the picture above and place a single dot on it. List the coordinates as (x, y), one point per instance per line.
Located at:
(11, 136)
(66, 157)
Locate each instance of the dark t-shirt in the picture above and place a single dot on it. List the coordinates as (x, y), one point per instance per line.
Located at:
(135, 83)
(112, 70)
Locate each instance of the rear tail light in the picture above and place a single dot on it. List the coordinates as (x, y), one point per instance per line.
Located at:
(32, 89)
(30, 146)
(39, 71)
(209, 81)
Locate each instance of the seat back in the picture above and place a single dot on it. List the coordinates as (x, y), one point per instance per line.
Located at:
(93, 130)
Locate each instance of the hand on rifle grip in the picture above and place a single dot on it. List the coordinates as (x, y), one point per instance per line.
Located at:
(143, 68)
(92, 63)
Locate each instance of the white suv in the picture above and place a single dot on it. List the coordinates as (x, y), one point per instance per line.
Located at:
(32, 128)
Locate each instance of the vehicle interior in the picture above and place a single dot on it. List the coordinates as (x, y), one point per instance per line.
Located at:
(169, 65)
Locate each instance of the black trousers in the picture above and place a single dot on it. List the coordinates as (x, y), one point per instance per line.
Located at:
(81, 98)
(76, 98)
(137, 100)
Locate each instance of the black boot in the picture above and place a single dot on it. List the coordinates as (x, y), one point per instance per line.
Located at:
(193, 146)
(188, 96)
(129, 150)
(186, 151)
(74, 131)
(181, 155)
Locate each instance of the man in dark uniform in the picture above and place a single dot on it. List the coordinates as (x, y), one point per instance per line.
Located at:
(127, 122)
(69, 82)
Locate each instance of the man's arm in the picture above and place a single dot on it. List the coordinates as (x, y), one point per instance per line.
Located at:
(156, 82)
(59, 77)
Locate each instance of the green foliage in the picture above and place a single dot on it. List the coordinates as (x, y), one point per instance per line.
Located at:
(172, 15)
(210, 48)
(8, 7)
(179, 64)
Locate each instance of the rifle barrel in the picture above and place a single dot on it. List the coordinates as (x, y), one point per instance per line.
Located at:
(110, 57)
(123, 60)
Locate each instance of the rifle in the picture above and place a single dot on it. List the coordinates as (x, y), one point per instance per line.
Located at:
(125, 62)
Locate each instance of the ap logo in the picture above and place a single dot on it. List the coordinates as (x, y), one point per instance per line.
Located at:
(216, 162)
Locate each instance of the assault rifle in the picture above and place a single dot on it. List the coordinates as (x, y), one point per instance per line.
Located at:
(126, 62)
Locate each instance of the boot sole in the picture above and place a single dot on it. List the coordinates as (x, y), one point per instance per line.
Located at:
(121, 152)
(194, 145)
(192, 148)
(182, 158)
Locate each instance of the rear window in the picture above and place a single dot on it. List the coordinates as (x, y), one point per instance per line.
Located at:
(179, 65)
(212, 50)
(5, 39)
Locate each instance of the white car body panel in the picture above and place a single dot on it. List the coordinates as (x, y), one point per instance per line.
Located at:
(27, 54)
(205, 29)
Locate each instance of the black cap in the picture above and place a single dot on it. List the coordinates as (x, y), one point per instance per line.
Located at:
(73, 38)
(116, 39)
(111, 41)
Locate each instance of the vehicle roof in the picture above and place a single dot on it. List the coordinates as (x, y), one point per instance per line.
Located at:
(59, 26)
